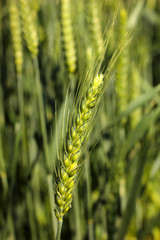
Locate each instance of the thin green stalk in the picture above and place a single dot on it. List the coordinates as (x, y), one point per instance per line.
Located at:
(104, 223)
(89, 200)
(59, 229)
(72, 82)
(11, 225)
(22, 119)
(41, 111)
(77, 216)
(51, 200)
(31, 215)
(3, 174)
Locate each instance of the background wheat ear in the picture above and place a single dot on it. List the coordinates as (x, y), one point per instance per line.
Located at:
(68, 41)
(29, 26)
(15, 26)
(94, 25)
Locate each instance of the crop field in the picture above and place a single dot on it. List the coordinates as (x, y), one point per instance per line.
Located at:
(79, 119)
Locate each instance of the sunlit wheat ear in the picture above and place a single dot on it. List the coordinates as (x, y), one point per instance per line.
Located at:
(29, 25)
(94, 25)
(69, 166)
(67, 36)
(15, 28)
(121, 84)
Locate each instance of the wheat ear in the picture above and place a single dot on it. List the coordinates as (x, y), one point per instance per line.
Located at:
(94, 26)
(28, 17)
(67, 36)
(69, 165)
(15, 27)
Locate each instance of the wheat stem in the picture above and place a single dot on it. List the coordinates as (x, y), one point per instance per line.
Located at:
(51, 200)
(3, 174)
(89, 200)
(58, 237)
(41, 111)
(22, 118)
(30, 208)
(77, 216)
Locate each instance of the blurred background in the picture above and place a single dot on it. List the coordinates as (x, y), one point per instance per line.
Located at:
(46, 48)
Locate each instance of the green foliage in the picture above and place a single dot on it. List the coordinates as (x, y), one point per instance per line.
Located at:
(72, 147)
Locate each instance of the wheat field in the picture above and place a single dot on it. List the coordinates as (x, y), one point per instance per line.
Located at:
(79, 120)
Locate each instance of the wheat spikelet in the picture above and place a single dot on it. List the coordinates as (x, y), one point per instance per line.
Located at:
(67, 36)
(15, 27)
(28, 17)
(94, 26)
(70, 164)
(122, 70)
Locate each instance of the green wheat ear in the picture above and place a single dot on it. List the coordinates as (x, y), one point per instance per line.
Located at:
(94, 26)
(122, 70)
(67, 36)
(69, 166)
(15, 27)
(28, 17)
